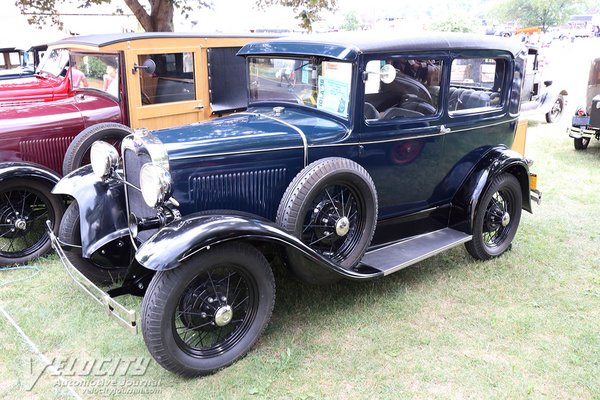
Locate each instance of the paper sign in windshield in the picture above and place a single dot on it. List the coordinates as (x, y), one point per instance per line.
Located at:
(333, 96)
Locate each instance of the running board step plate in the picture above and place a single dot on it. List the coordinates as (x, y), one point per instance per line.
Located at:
(400, 255)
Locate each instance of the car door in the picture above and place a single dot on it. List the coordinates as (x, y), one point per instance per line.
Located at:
(402, 131)
(164, 87)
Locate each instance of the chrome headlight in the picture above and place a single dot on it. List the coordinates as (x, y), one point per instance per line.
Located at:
(155, 184)
(104, 158)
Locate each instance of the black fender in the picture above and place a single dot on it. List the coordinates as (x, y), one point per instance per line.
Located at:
(496, 162)
(11, 170)
(102, 207)
(175, 242)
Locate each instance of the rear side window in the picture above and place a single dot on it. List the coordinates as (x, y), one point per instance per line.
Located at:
(172, 81)
(476, 84)
(411, 91)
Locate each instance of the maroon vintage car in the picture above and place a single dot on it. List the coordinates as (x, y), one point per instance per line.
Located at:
(50, 82)
(116, 81)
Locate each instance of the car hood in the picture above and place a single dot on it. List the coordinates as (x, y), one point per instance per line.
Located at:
(27, 85)
(258, 129)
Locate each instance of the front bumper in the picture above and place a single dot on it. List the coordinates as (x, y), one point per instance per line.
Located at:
(125, 317)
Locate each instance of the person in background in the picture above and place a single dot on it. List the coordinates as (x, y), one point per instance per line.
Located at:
(110, 82)
(77, 77)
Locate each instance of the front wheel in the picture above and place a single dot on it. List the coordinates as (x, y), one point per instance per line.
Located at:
(209, 312)
(496, 218)
(556, 112)
(25, 205)
(581, 143)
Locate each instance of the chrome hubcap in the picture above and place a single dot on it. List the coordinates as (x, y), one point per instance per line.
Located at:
(223, 315)
(505, 219)
(342, 226)
(21, 224)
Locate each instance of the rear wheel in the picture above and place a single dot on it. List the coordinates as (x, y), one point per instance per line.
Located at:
(496, 218)
(209, 312)
(70, 233)
(581, 143)
(556, 111)
(25, 205)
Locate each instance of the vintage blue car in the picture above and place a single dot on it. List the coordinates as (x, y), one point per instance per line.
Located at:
(358, 156)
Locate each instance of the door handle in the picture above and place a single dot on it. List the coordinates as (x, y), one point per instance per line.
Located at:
(443, 129)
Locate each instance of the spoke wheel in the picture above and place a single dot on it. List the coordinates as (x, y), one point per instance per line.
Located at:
(496, 218)
(581, 143)
(331, 206)
(24, 209)
(556, 111)
(209, 312)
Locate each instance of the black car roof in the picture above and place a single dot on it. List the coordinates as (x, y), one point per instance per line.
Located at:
(347, 45)
(101, 40)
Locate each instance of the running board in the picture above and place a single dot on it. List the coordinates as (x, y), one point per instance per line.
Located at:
(400, 255)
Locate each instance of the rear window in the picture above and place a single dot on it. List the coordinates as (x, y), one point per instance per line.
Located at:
(476, 83)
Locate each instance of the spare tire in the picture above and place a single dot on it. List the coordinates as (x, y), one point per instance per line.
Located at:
(331, 206)
(78, 151)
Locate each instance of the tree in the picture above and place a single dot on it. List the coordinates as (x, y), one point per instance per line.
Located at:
(542, 13)
(307, 10)
(158, 19)
(454, 23)
(350, 22)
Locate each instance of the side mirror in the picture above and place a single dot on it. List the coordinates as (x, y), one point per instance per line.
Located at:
(149, 66)
(547, 83)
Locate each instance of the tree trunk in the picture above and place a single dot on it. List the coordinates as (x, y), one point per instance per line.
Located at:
(160, 18)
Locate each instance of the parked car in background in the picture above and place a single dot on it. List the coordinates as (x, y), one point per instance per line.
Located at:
(17, 63)
(358, 156)
(101, 86)
(585, 124)
(541, 96)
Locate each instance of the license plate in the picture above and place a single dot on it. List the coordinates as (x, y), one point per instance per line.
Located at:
(581, 121)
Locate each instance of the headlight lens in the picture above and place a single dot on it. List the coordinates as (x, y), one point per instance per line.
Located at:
(155, 184)
(104, 158)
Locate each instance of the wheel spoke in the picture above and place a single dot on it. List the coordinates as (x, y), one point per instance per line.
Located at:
(333, 203)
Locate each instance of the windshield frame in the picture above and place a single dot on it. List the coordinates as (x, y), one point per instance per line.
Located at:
(301, 62)
(43, 66)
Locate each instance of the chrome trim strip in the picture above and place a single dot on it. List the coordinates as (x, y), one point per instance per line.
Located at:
(334, 144)
(302, 135)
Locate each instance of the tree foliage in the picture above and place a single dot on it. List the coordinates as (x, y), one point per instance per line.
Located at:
(454, 23)
(307, 10)
(158, 18)
(542, 13)
(350, 22)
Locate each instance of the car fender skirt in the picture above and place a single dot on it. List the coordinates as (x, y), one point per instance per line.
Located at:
(102, 208)
(173, 244)
(10, 170)
(497, 161)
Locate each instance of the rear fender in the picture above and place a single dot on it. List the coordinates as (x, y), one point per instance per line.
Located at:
(496, 162)
(196, 232)
(102, 210)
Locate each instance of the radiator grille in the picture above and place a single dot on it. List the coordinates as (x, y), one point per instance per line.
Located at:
(257, 192)
(49, 152)
(133, 164)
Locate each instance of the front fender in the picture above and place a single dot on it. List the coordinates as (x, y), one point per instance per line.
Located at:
(102, 209)
(496, 162)
(11, 170)
(174, 243)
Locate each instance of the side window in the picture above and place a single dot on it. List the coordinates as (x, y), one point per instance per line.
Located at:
(95, 71)
(173, 79)
(476, 83)
(408, 90)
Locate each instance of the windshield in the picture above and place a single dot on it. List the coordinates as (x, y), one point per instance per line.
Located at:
(320, 84)
(55, 62)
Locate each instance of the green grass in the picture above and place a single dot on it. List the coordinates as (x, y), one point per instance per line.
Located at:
(525, 325)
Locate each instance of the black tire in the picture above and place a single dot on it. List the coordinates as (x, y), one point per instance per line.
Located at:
(493, 231)
(555, 114)
(25, 205)
(78, 151)
(581, 143)
(313, 208)
(70, 233)
(180, 300)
